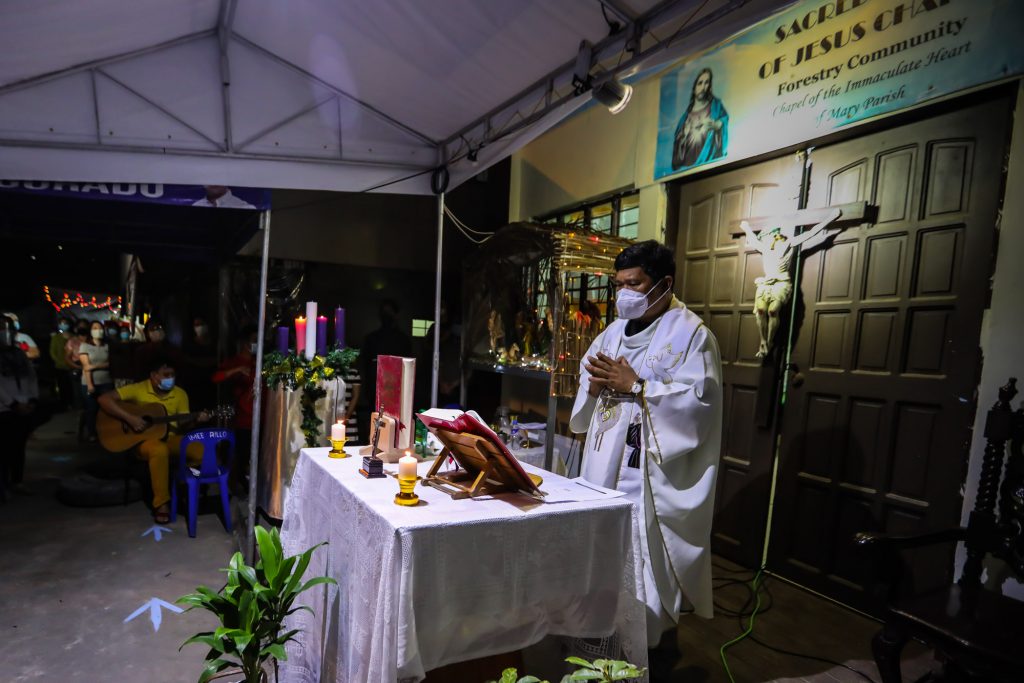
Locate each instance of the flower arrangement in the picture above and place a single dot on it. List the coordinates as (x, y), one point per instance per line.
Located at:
(295, 372)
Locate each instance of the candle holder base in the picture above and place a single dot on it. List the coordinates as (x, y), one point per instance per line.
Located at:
(407, 499)
(405, 495)
(337, 446)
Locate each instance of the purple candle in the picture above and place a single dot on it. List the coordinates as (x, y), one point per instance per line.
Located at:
(321, 335)
(339, 327)
(282, 339)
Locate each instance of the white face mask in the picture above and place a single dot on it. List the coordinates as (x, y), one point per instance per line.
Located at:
(97, 334)
(201, 330)
(630, 304)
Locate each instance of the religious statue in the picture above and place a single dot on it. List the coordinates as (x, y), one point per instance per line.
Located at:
(496, 331)
(513, 354)
(777, 247)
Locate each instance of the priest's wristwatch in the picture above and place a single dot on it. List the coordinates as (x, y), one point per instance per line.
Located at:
(637, 388)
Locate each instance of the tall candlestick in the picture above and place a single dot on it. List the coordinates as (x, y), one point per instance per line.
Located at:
(339, 327)
(310, 329)
(321, 335)
(282, 339)
(300, 335)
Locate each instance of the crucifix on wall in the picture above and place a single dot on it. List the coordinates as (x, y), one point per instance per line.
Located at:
(777, 240)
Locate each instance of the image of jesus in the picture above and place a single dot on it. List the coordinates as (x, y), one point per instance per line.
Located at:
(703, 131)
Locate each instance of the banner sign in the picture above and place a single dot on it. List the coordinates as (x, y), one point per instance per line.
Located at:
(822, 65)
(151, 193)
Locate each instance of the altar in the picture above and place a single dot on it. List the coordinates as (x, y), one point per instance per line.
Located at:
(453, 580)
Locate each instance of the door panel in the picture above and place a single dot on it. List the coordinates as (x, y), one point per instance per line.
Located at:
(715, 279)
(876, 434)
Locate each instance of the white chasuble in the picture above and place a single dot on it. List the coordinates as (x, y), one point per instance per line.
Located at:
(662, 451)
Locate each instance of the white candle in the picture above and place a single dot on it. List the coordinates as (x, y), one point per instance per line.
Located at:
(337, 431)
(407, 466)
(310, 329)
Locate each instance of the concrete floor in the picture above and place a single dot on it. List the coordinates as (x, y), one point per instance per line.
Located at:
(69, 577)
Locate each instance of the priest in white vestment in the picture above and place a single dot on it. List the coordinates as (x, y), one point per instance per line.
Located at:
(650, 402)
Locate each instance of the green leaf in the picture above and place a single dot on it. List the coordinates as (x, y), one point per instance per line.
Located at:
(269, 554)
(300, 569)
(580, 662)
(624, 671)
(207, 638)
(509, 675)
(529, 679)
(316, 582)
(213, 668)
(586, 675)
(275, 650)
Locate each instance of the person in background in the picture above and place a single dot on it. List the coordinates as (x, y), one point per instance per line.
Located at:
(199, 363)
(237, 371)
(387, 340)
(160, 388)
(20, 411)
(122, 370)
(23, 341)
(81, 334)
(95, 358)
(449, 375)
(62, 370)
(156, 344)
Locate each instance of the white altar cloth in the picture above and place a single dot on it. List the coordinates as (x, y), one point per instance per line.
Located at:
(451, 580)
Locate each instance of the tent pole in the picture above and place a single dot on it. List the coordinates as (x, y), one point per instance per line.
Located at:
(248, 544)
(437, 301)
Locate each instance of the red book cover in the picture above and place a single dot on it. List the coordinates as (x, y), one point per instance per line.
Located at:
(395, 377)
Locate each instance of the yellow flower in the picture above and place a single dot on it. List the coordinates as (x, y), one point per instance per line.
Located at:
(328, 372)
(300, 375)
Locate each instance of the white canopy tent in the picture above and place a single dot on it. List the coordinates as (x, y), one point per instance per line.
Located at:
(313, 94)
(344, 95)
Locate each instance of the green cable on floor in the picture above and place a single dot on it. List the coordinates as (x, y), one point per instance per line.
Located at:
(750, 626)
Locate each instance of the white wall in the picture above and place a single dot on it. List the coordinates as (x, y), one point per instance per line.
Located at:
(1002, 328)
(592, 154)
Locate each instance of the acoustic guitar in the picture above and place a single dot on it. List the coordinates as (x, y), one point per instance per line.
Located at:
(116, 436)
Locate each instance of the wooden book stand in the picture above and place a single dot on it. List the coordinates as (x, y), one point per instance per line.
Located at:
(483, 469)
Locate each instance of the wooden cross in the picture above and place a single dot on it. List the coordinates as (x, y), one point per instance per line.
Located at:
(854, 213)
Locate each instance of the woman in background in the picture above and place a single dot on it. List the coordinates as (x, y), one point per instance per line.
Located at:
(95, 358)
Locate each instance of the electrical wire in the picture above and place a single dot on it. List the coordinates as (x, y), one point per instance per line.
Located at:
(755, 587)
(750, 626)
(456, 220)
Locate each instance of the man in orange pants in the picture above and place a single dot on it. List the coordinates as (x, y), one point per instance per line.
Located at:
(158, 388)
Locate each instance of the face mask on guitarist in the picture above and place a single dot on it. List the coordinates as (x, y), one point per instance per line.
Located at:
(166, 384)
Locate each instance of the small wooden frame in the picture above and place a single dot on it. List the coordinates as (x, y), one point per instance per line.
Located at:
(483, 469)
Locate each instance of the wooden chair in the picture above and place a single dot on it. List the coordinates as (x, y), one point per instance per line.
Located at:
(977, 633)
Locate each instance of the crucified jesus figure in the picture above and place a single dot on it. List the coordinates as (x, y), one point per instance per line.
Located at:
(777, 247)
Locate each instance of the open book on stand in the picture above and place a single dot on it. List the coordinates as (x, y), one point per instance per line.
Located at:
(486, 465)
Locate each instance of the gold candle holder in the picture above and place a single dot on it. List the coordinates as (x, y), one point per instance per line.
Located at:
(405, 495)
(337, 446)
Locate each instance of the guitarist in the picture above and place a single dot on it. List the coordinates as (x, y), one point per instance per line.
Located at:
(158, 388)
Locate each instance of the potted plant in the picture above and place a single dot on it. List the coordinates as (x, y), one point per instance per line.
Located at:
(251, 608)
(598, 671)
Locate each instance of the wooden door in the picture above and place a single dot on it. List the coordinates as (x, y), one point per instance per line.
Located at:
(715, 278)
(876, 425)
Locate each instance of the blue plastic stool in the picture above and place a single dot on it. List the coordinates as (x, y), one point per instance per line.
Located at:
(210, 472)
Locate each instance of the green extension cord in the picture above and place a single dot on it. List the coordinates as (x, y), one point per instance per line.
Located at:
(755, 586)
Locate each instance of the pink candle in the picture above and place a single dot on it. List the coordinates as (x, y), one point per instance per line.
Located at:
(300, 335)
(321, 335)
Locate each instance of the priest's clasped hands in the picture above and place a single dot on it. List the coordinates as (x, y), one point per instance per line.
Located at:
(616, 375)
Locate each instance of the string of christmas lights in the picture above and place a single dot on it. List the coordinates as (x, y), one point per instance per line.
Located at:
(79, 299)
